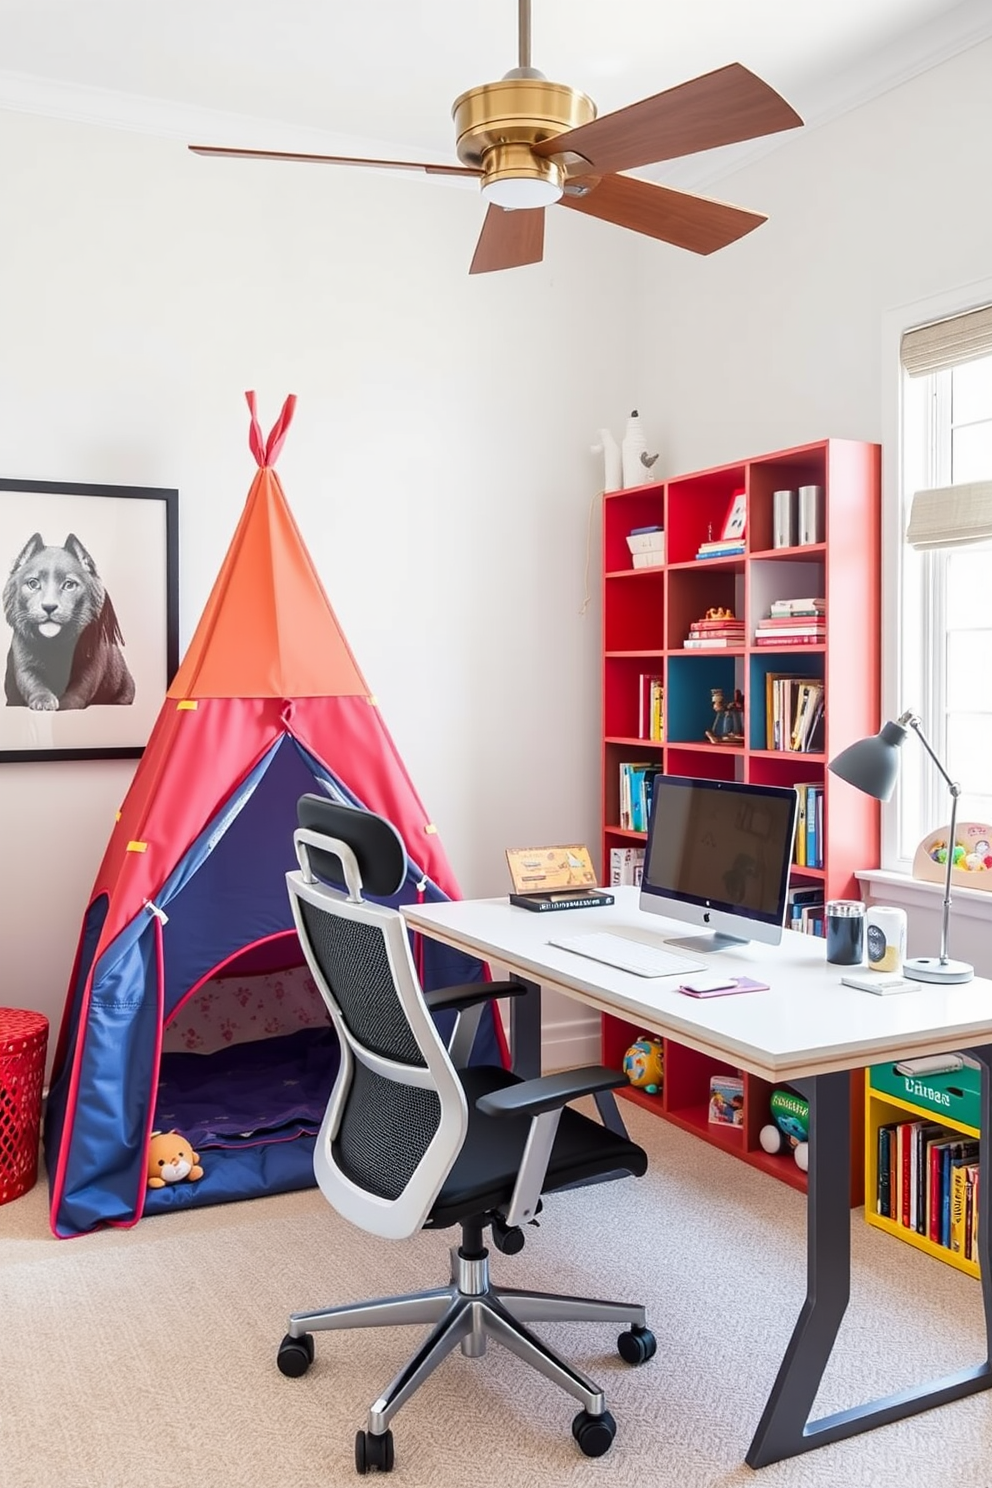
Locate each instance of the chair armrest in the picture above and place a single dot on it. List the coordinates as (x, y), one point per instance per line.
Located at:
(549, 1092)
(471, 993)
(543, 1100)
(468, 1002)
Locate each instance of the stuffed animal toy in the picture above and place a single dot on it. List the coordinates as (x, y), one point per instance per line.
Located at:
(788, 1128)
(171, 1159)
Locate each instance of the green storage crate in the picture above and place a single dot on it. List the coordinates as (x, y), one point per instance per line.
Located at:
(954, 1095)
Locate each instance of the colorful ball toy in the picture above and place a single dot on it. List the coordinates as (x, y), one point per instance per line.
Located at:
(789, 1126)
(644, 1064)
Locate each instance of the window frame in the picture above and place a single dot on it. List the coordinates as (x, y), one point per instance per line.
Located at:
(911, 628)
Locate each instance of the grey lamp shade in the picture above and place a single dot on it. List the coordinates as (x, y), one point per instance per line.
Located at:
(872, 764)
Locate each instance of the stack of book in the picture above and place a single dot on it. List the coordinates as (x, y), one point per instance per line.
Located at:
(651, 709)
(805, 910)
(721, 547)
(793, 622)
(636, 782)
(928, 1180)
(714, 633)
(647, 546)
(809, 826)
(793, 713)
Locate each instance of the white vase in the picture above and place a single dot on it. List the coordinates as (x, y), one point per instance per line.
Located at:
(612, 462)
(634, 446)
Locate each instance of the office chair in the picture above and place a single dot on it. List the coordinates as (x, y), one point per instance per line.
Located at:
(415, 1137)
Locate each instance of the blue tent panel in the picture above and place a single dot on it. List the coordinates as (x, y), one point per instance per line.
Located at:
(228, 892)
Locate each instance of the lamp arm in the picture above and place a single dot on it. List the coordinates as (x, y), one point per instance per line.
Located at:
(910, 720)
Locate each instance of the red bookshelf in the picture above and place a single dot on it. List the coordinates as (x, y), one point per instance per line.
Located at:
(647, 613)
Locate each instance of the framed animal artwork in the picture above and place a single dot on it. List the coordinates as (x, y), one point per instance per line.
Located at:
(89, 636)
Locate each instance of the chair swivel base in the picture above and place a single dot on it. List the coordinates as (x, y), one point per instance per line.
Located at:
(469, 1312)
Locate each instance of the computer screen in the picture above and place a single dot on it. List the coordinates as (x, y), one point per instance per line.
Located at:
(718, 855)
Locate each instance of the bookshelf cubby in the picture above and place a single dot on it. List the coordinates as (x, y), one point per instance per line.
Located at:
(886, 1106)
(647, 613)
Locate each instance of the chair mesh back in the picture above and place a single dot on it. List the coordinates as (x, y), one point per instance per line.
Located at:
(386, 1126)
(384, 1131)
(353, 959)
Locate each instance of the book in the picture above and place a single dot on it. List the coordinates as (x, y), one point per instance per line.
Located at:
(713, 643)
(726, 1106)
(883, 1200)
(626, 866)
(786, 606)
(651, 708)
(573, 899)
(790, 627)
(783, 642)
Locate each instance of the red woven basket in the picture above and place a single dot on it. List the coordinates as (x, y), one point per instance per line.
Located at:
(23, 1045)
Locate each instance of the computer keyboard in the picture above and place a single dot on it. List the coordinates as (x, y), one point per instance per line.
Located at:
(626, 955)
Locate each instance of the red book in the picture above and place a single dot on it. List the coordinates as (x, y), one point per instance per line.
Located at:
(784, 641)
(905, 1131)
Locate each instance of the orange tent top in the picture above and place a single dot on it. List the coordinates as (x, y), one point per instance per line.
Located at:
(265, 598)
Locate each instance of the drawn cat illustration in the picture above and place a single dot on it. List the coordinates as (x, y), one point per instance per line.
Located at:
(66, 649)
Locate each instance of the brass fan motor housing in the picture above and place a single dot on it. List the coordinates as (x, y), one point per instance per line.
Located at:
(498, 124)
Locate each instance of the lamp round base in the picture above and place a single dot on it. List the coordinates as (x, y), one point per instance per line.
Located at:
(932, 969)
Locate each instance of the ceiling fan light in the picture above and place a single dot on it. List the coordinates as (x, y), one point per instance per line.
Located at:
(517, 180)
(518, 193)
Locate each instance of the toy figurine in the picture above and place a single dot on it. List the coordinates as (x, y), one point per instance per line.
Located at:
(789, 1127)
(728, 718)
(644, 1064)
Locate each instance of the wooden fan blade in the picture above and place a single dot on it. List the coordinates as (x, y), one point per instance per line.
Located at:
(509, 239)
(719, 108)
(678, 217)
(417, 165)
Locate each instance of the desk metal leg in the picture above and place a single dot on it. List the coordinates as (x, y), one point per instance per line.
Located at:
(525, 1053)
(785, 1429)
(525, 1030)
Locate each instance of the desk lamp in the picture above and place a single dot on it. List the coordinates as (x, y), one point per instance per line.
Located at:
(872, 765)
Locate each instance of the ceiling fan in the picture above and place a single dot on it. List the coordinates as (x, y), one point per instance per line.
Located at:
(532, 143)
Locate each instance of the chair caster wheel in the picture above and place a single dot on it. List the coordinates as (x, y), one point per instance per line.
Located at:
(295, 1355)
(637, 1345)
(507, 1238)
(594, 1434)
(373, 1453)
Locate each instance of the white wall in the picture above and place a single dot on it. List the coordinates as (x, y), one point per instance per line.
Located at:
(776, 340)
(439, 464)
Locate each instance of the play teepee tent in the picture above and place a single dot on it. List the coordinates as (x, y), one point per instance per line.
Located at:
(267, 705)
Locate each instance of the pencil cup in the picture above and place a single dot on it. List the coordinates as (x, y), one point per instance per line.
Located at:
(885, 936)
(845, 932)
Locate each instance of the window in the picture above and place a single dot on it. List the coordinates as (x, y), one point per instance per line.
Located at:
(945, 605)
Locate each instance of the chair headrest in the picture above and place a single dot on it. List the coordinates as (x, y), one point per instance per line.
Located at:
(378, 847)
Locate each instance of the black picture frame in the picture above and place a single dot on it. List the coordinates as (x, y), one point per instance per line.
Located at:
(107, 552)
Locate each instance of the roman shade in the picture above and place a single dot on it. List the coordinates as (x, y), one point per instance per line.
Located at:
(951, 516)
(946, 343)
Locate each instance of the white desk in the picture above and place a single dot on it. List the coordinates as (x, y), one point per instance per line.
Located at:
(807, 1029)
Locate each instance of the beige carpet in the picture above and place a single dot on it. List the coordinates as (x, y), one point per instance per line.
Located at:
(146, 1358)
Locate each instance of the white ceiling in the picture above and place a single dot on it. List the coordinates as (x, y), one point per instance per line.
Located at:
(379, 76)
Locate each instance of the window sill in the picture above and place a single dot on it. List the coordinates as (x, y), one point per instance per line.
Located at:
(974, 904)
